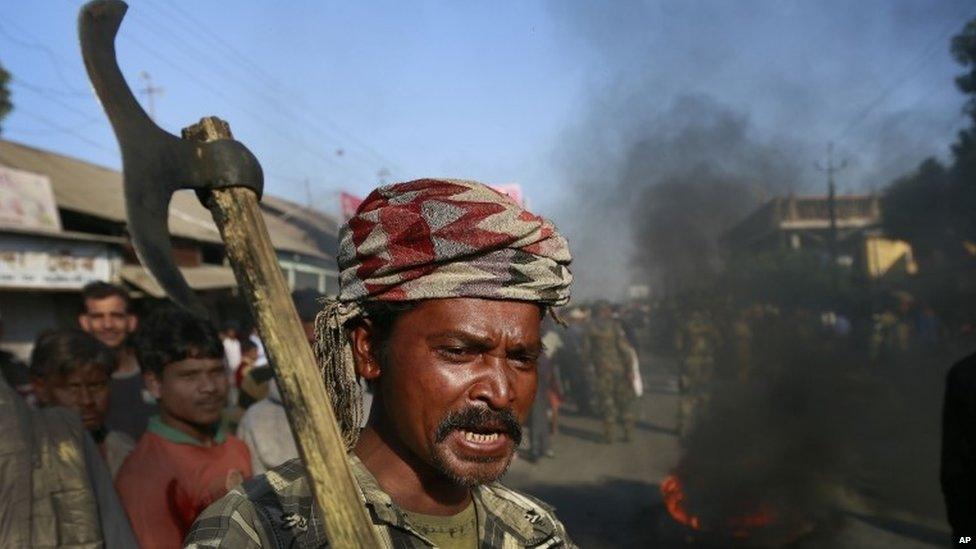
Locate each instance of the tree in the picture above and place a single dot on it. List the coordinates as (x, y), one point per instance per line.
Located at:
(5, 104)
(918, 208)
(963, 172)
(963, 48)
(933, 207)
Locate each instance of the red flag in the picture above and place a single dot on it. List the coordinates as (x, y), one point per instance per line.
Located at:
(513, 190)
(348, 203)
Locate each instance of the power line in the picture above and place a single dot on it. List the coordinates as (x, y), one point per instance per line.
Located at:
(47, 131)
(254, 72)
(202, 83)
(218, 64)
(275, 82)
(50, 97)
(18, 80)
(38, 45)
(194, 56)
(53, 94)
(66, 130)
(931, 49)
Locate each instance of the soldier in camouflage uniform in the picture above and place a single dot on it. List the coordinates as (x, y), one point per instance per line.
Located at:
(606, 348)
(697, 343)
(276, 511)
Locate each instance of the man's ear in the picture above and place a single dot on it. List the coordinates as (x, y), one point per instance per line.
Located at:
(84, 323)
(153, 384)
(131, 323)
(361, 339)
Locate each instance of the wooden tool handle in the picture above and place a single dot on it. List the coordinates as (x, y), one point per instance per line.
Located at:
(251, 254)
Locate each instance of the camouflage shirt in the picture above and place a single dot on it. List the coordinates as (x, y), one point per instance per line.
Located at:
(276, 510)
(605, 346)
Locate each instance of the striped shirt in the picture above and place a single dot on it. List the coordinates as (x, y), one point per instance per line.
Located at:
(276, 510)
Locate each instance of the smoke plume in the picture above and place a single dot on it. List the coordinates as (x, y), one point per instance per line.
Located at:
(654, 215)
(734, 102)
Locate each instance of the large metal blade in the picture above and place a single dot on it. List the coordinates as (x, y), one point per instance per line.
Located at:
(155, 162)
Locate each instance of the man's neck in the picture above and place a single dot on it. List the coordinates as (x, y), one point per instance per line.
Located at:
(411, 483)
(204, 435)
(127, 363)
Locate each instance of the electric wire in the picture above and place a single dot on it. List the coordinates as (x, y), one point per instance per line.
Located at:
(39, 46)
(931, 49)
(218, 67)
(246, 80)
(67, 131)
(271, 80)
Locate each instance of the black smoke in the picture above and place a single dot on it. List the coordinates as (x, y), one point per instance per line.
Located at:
(738, 101)
(696, 113)
(655, 215)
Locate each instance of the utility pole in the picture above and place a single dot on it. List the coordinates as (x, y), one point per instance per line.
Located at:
(150, 92)
(831, 169)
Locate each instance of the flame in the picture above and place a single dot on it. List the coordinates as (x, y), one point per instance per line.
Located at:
(674, 500)
(739, 527)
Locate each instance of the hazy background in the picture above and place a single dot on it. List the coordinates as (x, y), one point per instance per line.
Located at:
(582, 103)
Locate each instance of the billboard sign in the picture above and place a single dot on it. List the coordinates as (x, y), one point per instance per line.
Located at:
(27, 201)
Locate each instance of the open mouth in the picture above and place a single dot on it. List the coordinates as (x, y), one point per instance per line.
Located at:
(480, 427)
(482, 438)
(481, 444)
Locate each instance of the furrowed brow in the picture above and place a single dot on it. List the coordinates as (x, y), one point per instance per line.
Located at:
(468, 339)
(534, 349)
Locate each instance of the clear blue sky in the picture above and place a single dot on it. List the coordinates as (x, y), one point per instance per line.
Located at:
(416, 88)
(490, 90)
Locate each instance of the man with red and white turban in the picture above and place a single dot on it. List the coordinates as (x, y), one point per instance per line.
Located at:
(444, 285)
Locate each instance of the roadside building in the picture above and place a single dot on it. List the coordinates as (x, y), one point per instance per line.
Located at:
(803, 223)
(63, 224)
(320, 231)
(796, 222)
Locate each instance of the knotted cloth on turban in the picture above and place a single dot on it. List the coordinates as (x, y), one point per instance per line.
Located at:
(427, 239)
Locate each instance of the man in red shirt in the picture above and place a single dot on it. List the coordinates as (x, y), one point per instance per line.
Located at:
(185, 460)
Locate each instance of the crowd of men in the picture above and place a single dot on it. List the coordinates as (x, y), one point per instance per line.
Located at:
(153, 398)
(180, 412)
(153, 430)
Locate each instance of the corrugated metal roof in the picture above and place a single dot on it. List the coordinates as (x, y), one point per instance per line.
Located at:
(66, 235)
(94, 190)
(203, 277)
(292, 210)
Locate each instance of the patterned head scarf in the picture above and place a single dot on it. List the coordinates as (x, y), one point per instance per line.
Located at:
(428, 239)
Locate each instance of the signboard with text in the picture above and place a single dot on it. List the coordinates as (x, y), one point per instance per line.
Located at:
(27, 262)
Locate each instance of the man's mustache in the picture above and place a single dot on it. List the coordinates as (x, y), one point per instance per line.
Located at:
(481, 419)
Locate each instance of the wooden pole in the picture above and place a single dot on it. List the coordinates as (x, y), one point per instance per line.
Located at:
(252, 256)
